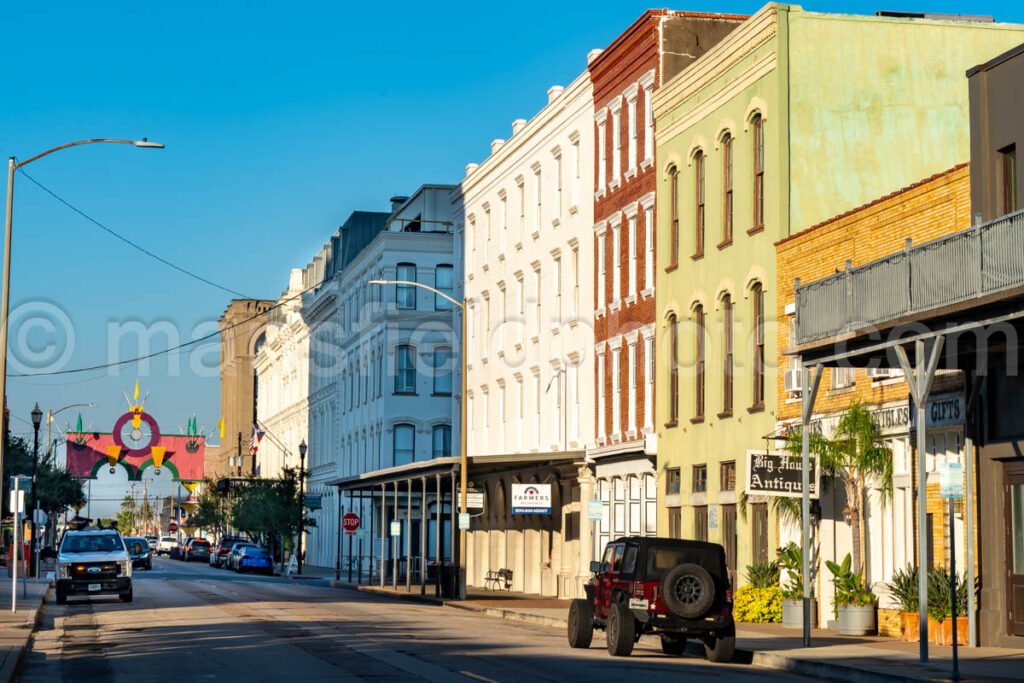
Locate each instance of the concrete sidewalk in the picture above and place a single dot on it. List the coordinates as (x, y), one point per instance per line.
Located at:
(832, 657)
(16, 628)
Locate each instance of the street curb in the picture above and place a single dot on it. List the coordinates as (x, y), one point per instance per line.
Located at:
(13, 665)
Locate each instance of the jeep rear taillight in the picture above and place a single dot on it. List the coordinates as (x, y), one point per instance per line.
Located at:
(728, 596)
(638, 589)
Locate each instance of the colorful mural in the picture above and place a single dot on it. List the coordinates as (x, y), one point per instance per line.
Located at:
(136, 444)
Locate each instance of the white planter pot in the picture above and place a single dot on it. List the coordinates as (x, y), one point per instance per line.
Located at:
(858, 621)
(793, 613)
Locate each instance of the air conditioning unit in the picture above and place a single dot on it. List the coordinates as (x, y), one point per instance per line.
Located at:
(792, 381)
(880, 373)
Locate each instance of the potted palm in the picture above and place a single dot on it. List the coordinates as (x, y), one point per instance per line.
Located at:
(940, 625)
(903, 588)
(791, 566)
(856, 605)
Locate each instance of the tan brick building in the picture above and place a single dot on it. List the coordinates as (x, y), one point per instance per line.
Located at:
(922, 212)
(242, 328)
(654, 48)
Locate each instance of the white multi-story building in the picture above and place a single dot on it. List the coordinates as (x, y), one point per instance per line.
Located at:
(282, 378)
(529, 263)
(383, 378)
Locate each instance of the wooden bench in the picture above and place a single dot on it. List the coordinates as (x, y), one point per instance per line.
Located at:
(500, 579)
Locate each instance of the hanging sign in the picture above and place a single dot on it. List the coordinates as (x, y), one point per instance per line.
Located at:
(396, 529)
(531, 499)
(778, 474)
(951, 480)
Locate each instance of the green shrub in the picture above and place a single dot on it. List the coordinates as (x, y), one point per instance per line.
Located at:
(939, 594)
(758, 605)
(904, 588)
(763, 574)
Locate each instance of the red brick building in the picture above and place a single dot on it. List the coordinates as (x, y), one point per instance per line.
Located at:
(654, 48)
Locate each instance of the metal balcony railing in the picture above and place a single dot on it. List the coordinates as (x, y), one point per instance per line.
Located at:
(980, 261)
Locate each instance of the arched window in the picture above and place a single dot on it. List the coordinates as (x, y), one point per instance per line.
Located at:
(673, 179)
(757, 297)
(405, 295)
(442, 441)
(404, 446)
(698, 216)
(698, 319)
(726, 189)
(757, 124)
(673, 406)
(405, 369)
(727, 358)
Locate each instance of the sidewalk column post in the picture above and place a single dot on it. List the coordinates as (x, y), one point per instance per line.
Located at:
(383, 528)
(455, 535)
(809, 391)
(394, 542)
(424, 520)
(408, 535)
(438, 529)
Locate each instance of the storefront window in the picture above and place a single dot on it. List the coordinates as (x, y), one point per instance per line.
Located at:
(1017, 527)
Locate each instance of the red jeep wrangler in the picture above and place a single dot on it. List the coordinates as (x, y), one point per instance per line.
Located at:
(673, 588)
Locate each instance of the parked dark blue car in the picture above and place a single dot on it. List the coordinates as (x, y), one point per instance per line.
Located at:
(254, 559)
(139, 551)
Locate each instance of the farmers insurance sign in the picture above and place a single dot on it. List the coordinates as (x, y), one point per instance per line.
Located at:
(778, 474)
(531, 499)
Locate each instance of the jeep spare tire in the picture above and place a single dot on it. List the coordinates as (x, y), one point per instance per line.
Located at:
(688, 591)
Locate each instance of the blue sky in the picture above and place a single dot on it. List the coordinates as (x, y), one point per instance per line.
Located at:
(279, 119)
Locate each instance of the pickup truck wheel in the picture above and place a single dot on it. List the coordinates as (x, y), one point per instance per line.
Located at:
(621, 630)
(673, 645)
(581, 624)
(720, 649)
(688, 591)
(126, 596)
(62, 596)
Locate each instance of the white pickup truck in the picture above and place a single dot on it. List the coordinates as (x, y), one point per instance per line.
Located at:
(166, 544)
(93, 562)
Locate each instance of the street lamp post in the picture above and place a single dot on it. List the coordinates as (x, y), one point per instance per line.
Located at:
(37, 418)
(5, 292)
(463, 414)
(302, 502)
(50, 414)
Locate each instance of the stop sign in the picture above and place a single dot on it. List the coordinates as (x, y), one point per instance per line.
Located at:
(172, 527)
(350, 523)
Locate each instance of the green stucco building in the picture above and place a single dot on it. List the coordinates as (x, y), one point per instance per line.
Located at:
(793, 118)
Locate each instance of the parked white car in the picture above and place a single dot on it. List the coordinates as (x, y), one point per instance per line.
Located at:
(167, 543)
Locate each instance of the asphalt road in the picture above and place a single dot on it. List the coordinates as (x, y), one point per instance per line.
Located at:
(192, 623)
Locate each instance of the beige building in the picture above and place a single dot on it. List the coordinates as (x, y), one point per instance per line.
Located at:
(242, 328)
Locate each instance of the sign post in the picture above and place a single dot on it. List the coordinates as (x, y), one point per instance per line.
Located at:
(951, 487)
(19, 484)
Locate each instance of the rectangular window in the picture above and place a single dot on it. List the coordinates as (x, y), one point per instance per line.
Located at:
(536, 306)
(405, 369)
(575, 172)
(673, 179)
(520, 309)
(758, 126)
(698, 407)
(648, 125)
(632, 131)
(727, 474)
(631, 390)
(574, 417)
(758, 296)
(443, 371)
(537, 407)
(558, 187)
(843, 378)
(616, 145)
(649, 249)
(520, 410)
(616, 391)
(601, 431)
(487, 408)
(602, 158)
(631, 223)
(537, 191)
(700, 479)
(727, 189)
(727, 367)
(443, 281)
(600, 272)
(649, 384)
(575, 313)
(522, 210)
(558, 289)
(1008, 178)
(487, 230)
(503, 217)
(486, 322)
(442, 438)
(503, 320)
(405, 295)
(672, 481)
(404, 446)
(501, 417)
(616, 265)
(698, 218)
(673, 384)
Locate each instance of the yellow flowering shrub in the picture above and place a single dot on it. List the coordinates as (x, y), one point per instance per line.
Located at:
(757, 605)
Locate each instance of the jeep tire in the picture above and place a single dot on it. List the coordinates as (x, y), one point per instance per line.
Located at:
(688, 591)
(621, 630)
(673, 645)
(581, 624)
(62, 595)
(126, 596)
(720, 649)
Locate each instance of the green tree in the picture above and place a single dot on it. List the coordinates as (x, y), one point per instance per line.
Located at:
(56, 490)
(212, 510)
(125, 516)
(268, 509)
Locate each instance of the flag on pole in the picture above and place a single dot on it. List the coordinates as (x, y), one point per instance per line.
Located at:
(220, 426)
(254, 443)
(136, 395)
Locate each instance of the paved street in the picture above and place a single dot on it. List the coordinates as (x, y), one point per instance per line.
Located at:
(190, 622)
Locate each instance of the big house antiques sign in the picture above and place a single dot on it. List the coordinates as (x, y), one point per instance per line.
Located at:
(779, 474)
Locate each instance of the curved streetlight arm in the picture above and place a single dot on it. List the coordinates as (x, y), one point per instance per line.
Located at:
(118, 141)
(461, 305)
(54, 413)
